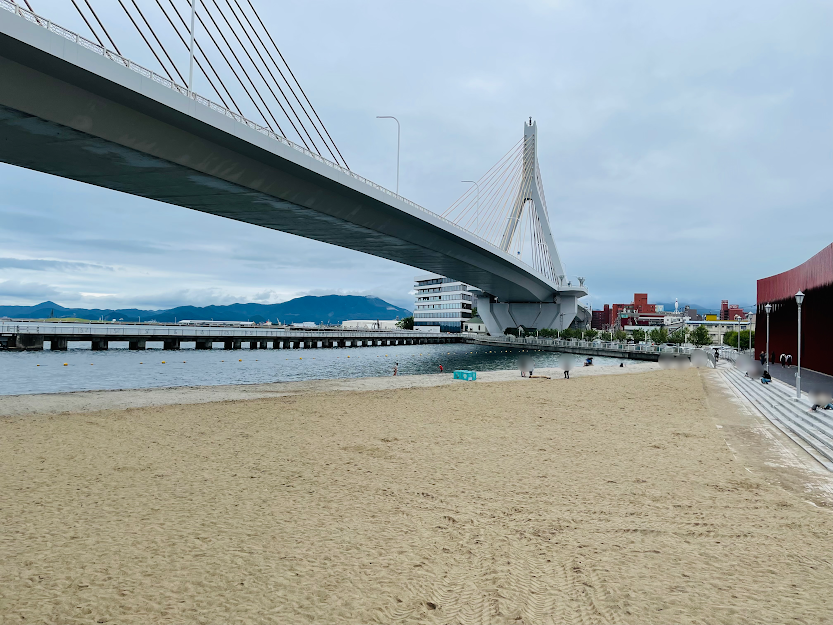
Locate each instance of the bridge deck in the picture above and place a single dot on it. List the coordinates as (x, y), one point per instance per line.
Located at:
(70, 111)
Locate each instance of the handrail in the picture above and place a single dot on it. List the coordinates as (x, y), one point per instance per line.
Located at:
(104, 329)
(147, 73)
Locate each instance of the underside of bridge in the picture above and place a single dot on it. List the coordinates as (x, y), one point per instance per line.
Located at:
(69, 112)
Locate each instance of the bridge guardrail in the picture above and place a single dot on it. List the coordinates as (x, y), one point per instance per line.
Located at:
(106, 330)
(34, 18)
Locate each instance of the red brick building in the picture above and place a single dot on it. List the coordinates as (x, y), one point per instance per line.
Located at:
(609, 316)
(815, 279)
(728, 311)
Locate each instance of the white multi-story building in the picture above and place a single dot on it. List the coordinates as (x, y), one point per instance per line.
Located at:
(442, 304)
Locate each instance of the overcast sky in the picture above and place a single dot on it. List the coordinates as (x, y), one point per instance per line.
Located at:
(686, 150)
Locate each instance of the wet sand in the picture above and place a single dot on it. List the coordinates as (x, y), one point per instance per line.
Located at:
(648, 497)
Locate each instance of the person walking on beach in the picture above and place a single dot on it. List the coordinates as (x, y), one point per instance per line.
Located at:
(395, 368)
(441, 368)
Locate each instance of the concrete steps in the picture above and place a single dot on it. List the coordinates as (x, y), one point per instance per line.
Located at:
(812, 431)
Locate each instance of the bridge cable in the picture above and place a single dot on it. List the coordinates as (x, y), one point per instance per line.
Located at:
(165, 69)
(89, 6)
(196, 59)
(511, 153)
(257, 69)
(152, 32)
(84, 17)
(296, 80)
(277, 84)
(242, 84)
(289, 86)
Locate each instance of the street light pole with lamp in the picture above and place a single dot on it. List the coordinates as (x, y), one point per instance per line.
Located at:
(477, 211)
(799, 299)
(768, 309)
(398, 128)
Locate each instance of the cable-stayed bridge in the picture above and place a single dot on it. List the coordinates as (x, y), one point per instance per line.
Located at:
(74, 107)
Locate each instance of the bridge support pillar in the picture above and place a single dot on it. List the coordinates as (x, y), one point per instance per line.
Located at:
(27, 342)
(497, 316)
(203, 344)
(264, 345)
(276, 344)
(137, 345)
(58, 344)
(171, 344)
(100, 345)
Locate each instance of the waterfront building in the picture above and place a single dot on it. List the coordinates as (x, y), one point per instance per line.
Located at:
(814, 278)
(730, 311)
(475, 325)
(442, 304)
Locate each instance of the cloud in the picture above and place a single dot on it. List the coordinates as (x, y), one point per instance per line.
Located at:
(675, 140)
(42, 264)
(14, 289)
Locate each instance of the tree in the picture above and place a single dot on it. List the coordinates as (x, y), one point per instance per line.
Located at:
(407, 323)
(638, 335)
(620, 335)
(730, 338)
(678, 336)
(606, 336)
(547, 333)
(659, 335)
(700, 336)
(590, 334)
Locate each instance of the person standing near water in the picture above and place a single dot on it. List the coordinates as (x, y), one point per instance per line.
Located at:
(395, 368)
(441, 368)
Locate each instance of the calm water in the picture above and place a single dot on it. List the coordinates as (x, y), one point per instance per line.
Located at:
(120, 368)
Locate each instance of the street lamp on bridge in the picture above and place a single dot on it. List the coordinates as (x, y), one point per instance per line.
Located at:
(477, 210)
(398, 128)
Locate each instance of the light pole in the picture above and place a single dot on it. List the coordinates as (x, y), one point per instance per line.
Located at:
(191, 67)
(477, 213)
(768, 309)
(799, 298)
(398, 128)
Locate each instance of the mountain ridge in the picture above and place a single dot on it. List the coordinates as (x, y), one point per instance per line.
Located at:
(331, 309)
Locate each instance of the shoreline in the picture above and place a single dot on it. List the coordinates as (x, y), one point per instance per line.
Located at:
(121, 399)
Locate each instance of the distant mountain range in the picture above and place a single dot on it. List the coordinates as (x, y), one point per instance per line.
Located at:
(331, 309)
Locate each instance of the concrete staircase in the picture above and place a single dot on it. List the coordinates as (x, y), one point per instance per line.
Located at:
(812, 431)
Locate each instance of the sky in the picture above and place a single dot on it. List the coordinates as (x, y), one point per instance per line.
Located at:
(686, 150)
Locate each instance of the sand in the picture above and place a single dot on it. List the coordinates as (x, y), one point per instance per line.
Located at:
(649, 497)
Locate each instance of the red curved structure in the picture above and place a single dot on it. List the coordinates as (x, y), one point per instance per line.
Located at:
(815, 279)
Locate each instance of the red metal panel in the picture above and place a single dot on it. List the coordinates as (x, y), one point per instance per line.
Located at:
(816, 272)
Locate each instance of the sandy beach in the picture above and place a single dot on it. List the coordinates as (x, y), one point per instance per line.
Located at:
(639, 496)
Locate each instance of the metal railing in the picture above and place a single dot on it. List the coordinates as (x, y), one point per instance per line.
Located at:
(575, 343)
(162, 80)
(114, 331)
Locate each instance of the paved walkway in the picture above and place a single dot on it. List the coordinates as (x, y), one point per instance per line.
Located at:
(810, 380)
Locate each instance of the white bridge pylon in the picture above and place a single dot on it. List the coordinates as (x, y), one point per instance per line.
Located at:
(508, 209)
(530, 198)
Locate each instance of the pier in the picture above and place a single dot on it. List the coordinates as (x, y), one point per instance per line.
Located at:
(34, 336)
